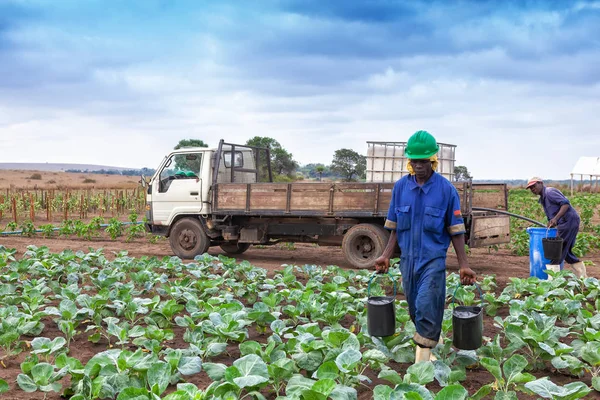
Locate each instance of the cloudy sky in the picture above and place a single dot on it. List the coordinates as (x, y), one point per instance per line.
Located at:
(514, 84)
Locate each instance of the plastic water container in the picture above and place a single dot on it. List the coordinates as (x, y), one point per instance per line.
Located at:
(537, 262)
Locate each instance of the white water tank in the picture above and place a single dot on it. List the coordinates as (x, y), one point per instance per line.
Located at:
(386, 161)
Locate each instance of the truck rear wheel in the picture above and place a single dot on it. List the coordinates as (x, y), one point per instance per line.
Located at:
(235, 248)
(363, 243)
(188, 239)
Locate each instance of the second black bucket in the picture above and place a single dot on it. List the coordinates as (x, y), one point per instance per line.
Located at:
(552, 248)
(381, 312)
(467, 326)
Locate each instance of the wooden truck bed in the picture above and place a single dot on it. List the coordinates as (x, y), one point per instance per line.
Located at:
(358, 200)
(488, 228)
(303, 199)
(311, 199)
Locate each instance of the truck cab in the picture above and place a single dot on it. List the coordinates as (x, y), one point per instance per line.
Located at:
(182, 182)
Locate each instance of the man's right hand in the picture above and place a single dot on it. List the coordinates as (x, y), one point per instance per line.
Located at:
(382, 265)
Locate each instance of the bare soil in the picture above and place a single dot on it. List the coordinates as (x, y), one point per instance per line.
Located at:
(502, 264)
(22, 179)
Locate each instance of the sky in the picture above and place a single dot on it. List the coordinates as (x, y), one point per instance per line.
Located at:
(514, 84)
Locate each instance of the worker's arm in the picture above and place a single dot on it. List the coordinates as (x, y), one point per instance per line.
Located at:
(563, 210)
(382, 264)
(467, 275)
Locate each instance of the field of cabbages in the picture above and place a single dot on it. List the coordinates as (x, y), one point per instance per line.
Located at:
(84, 323)
(88, 326)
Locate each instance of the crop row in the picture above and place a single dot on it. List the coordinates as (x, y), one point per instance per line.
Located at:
(51, 205)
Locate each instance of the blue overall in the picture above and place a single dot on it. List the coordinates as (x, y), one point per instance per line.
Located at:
(425, 217)
(552, 200)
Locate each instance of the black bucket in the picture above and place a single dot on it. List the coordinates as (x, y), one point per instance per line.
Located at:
(467, 325)
(381, 312)
(553, 247)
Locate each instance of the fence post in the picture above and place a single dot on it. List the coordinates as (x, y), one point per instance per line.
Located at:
(48, 206)
(31, 208)
(66, 206)
(14, 207)
(81, 207)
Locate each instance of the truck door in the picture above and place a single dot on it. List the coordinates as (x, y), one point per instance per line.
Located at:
(178, 189)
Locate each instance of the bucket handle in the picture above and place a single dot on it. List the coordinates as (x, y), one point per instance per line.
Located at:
(375, 275)
(478, 288)
(548, 230)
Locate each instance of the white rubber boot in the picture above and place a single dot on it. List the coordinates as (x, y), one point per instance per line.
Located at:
(422, 354)
(579, 269)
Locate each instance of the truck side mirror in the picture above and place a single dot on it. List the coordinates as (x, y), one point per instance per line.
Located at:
(143, 181)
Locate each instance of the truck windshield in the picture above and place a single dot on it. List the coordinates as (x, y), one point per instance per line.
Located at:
(180, 166)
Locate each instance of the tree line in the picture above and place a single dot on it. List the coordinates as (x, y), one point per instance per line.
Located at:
(125, 172)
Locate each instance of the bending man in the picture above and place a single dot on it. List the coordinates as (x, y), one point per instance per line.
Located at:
(563, 216)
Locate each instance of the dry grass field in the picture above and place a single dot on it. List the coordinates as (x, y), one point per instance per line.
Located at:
(24, 179)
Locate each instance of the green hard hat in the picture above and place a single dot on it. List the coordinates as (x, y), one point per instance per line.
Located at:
(421, 145)
(190, 174)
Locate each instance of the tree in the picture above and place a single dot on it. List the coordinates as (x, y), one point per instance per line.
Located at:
(190, 143)
(348, 163)
(461, 173)
(320, 169)
(282, 162)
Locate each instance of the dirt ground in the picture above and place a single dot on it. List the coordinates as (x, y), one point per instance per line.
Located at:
(500, 263)
(22, 179)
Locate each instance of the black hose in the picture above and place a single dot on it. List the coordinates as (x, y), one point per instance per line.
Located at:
(507, 213)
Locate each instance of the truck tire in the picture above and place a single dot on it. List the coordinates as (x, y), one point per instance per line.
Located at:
(188, 239)
(363, 243)
(235, 248)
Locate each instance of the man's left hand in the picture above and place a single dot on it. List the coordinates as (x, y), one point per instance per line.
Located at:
(552, 223)
(467, 276)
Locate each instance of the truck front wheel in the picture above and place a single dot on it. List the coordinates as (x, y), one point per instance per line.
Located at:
(235, 248)
(363, 243)
(188, 239)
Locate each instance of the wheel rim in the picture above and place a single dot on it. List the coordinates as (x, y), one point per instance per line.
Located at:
(187, 239)
(364, 247)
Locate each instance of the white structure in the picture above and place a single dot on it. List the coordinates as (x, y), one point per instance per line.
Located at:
(586, 168)
(386, 161)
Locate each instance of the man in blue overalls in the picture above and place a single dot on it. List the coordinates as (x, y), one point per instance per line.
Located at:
(563, 216)
(424, 217)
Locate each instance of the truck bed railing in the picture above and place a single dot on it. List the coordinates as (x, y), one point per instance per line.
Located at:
(336, 199)
(234, 169)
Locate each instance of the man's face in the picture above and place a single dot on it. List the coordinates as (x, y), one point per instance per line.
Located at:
(422, 168)
(537, 188)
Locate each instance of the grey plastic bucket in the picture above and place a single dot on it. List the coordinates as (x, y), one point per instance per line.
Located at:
(381, 312)
(467, 325)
